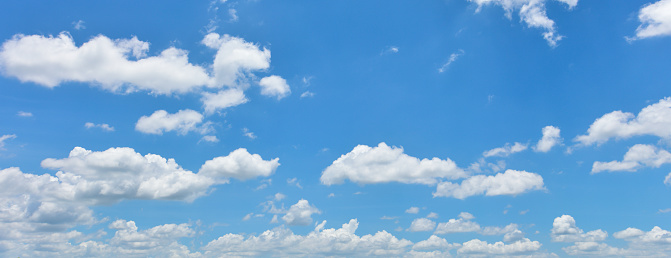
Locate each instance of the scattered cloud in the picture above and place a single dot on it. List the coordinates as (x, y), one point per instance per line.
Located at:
(294, 181)
(239, 164)
(209, 138)
(512, 182)
(412, 210)
(654, 120)
(307, 94)
(390, 50)
(550, 139)
(24, 114)
(4, 138)
(384, 164)
(461, 225)
(533, 13)
(435, 243)
(274, 86)
(233, 14)
(78, 25)
(655, 20)
(248, 133)
(638, 156)
(432, 215)
(184, 121)
(422, 224)
(565, 230)
(235, 59)
(213, 102)
(300, 214)
(104, 127)
(453, 57)
(479, 247)
(506, 150)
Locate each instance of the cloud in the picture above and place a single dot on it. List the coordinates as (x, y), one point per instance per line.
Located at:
(384, 164)
(453, 57)
(550, 139)
(248, 133)
(209, 138)
(104, 127)
(655, 20)
(307, 94)
(51, 61)
(281, 241)
(654, 120)
(412, 210)
(531, 12)
(390, 50)
(506, 150)
(274, 86)
(234, 15)
(78, 25)
(463, 224)
(637, 156)
(432, 215)
(667, 179)
(479, 247)
(300, 214)
(512, 182)
(235, 59)
(565, 230)
(434, 243)
(184, 121)
(279, 196)
(422, 224)
(223, 99)
(294, 181)
(239, 164)
(24, 114)
(4, 138)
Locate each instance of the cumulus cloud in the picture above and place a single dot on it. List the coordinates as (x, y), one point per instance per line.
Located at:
(434, 243)
(637, 156)
(550, 139)
(565, 230)
(115, 65)
(461, 225)
(209, 138)
(184, 121)
(667, 179)
(422, 224)
(412, 210)
(654, 120)
(213, 102)
(235, 59)
(384, 164)
(4, 138)
(512, 182)
(320, 242)
(655, 20)
(104, 127)
(239, 164)
(531, 12)
(506, 150)
(300, 214)
(274, 86)
(479, 247)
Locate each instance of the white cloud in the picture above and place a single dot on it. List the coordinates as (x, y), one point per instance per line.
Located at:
(281, 241)
(422, 224)
(654, 120)
(307, 94)
(512, 182)
(453, 57)
(279, 196)
(24, 114)
(505, 150)
(121, 173)
(463, 224)
(384, 164)
(239, 164)
(412, 210)
(479, 247)
(389, 50)
(274, 86)
(78, 25)
(432, 215)
(4, 138)
(104, 127)
(234, 15)
(531, 12)
(248, 133)
(655, 20)
(209, 138)
(184, 121)
(582, 249)
(636, 157)
(50, 61)
(223, 99)
(434, 243)
(247, 217)
(235, 59)
(667, 179)
(550, 139)
(300, 213)
(294, 181)
(565, 230)
(653, 243)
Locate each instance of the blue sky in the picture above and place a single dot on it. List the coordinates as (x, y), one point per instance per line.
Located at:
(335, 128)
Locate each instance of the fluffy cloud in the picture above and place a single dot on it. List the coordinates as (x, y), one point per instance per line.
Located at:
(565, 230)
(121, 173)
(581, 249)
(434, 243)
(300, 213)
(505, 150)
(235, 59)
(654, 120)
(422, 224)
(512, 182)
(531, 12)
(274, 86)
(412, 210)
(4, 138)
(384, 164)
(653, 243)
(115, 65)
(223, 99)
(655, 20)
(320, 242)
(104, 127)
(479, 247)
(239, 164)
(550, 139)
(184, 121)
(461, 225)
(638, 156)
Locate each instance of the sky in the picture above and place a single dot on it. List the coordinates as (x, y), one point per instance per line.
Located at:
(446, 128)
